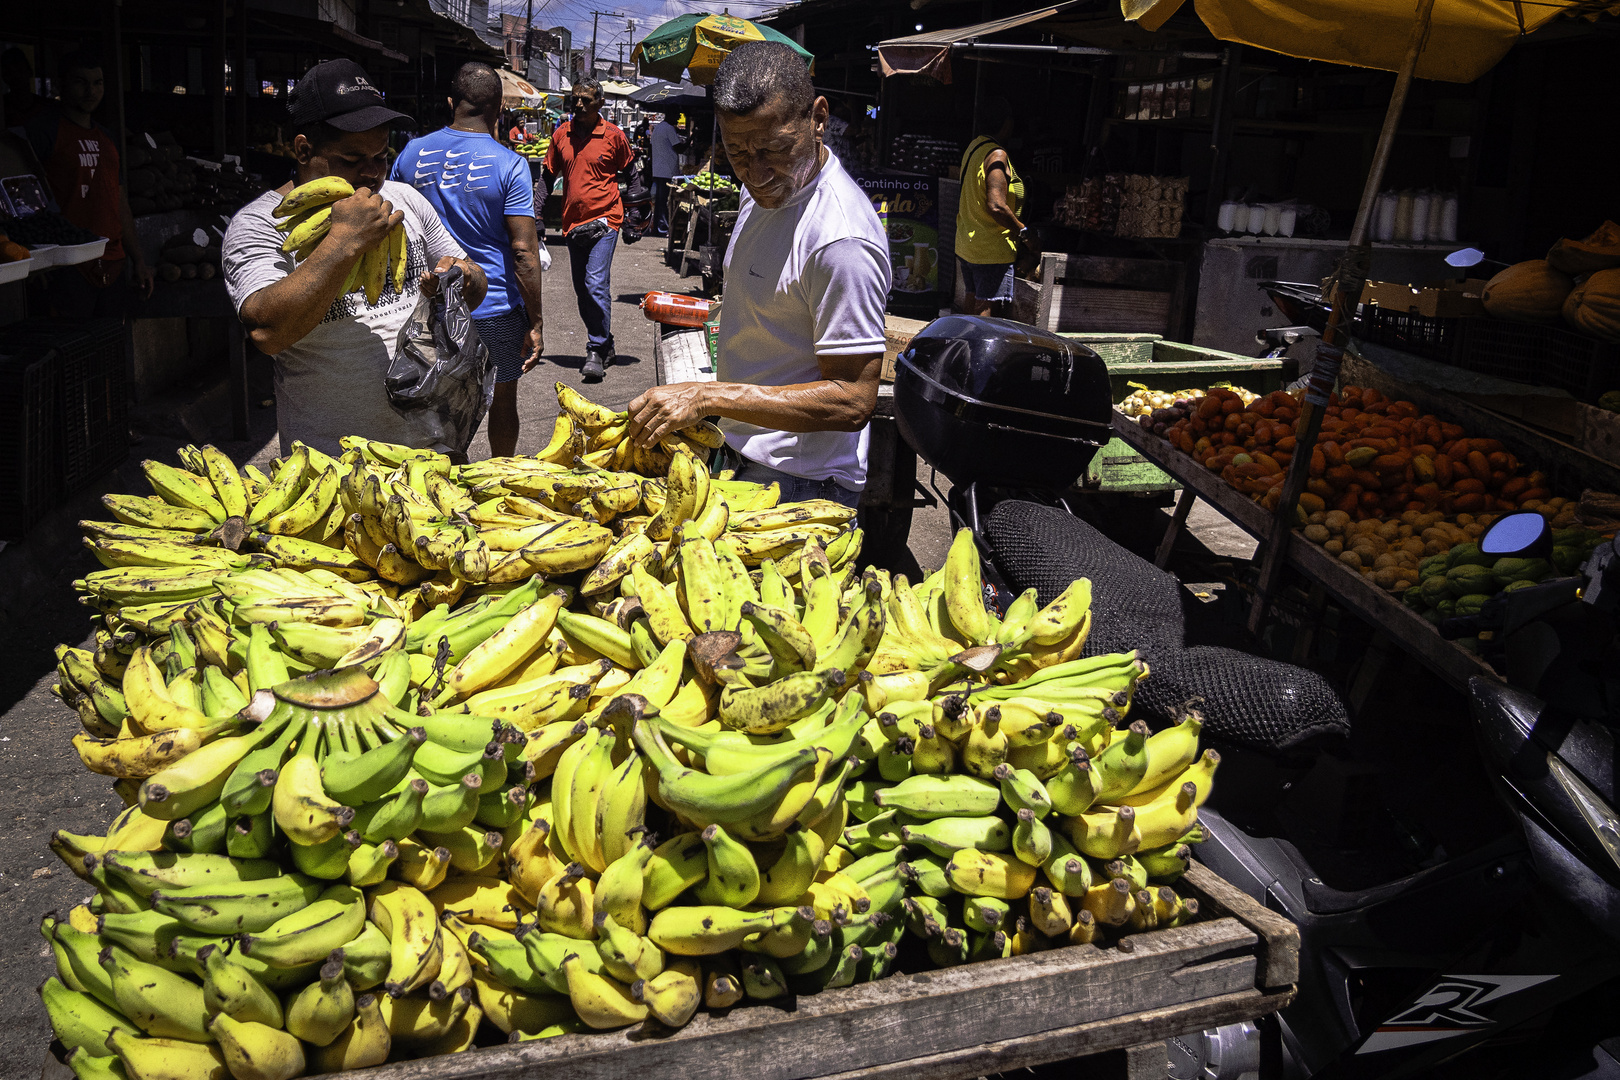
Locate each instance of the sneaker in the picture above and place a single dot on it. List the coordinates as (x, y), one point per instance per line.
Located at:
(593, 369)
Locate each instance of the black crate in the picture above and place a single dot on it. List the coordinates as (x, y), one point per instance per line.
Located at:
(29, 477)
(1410, 332)
(93, 413)
(1540, 356)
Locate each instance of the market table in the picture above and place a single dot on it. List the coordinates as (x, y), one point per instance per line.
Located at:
(887, 502)
(1239, 962)
(1400, 623)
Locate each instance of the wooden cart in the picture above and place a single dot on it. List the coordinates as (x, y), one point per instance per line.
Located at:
(1240, 962)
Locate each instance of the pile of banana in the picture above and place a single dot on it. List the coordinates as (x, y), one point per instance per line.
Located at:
(305, 216)
(371, 819)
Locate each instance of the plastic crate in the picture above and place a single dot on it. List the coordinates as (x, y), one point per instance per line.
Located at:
(29, 478)
(1540, 356)
(1408, 331)
(93, 412)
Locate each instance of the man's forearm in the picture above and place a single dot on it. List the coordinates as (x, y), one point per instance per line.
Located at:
(477, 284)
(281, 315)
(528, 283)
(824, 405)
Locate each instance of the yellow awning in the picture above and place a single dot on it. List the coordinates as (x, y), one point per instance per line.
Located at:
(1466, 39)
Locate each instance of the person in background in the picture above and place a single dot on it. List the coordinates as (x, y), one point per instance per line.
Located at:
(989, 231)
(589, 152)
(806, 278)
(483, 194)
(665, 142)
(331, 348)
(18, 74)
(81, 160)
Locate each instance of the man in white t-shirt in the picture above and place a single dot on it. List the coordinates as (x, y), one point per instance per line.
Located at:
(332, 349)
(807, 274)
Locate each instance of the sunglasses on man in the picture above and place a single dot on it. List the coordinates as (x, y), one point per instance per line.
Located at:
(577, 102)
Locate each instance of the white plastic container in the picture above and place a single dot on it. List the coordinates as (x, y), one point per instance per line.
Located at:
(1448, 220)
(1257, 220)
(15, 271)
(1227, 217)
(1273, 219)
(1287, 218)
(1403, 218)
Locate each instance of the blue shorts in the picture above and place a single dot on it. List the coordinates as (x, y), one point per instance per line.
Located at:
(987, 281)
(503, 336)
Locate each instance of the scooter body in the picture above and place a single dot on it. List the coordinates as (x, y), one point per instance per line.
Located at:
(1475, 953)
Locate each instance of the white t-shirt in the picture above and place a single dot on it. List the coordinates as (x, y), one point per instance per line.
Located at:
(807, 279)
(330, 383)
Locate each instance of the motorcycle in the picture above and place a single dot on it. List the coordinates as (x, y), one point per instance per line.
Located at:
(1479, 963)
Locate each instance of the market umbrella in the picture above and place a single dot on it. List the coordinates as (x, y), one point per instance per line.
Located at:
(671, 97)
(1453, 40)
(516, 90)
(697, 43)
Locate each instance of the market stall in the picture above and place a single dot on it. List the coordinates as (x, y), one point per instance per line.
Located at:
(568, 896)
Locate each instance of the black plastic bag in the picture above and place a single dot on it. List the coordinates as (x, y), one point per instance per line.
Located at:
(441, 378)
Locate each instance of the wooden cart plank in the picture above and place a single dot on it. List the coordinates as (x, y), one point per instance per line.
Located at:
(1097, 1037)
(895, 1019)
(1279, 937)
(1451, 662)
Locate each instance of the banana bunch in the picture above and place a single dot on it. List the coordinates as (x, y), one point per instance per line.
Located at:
(305, 216)
(415, 755)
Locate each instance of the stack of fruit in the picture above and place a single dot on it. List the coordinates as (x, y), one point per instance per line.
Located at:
(1460, 580)
(305, 215)
(369, 819)
(1145, 402)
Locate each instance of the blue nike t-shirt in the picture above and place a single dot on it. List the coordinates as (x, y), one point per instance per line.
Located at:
(474, 183)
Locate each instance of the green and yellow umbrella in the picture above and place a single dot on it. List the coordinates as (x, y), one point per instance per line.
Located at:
(697, 43)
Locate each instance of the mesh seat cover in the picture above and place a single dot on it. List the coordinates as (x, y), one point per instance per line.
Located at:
(1247, 700)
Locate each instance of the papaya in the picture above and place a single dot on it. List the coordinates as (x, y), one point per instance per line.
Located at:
(1599, 251)
(1594, 307)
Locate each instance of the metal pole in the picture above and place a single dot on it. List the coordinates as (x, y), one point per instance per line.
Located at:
(591, 73)
(241, 77)
(1345, 285)
(528, 36)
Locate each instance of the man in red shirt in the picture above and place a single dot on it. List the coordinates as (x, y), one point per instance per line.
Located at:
(81, 165)
(589, 152)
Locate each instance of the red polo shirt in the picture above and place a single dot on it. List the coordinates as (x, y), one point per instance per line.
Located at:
(589, 163)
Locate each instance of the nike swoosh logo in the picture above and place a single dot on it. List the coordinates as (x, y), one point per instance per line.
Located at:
(475, 168)
(420, 174)
(754, 273)
(453, 154)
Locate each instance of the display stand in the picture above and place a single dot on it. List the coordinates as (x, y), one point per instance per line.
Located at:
(1238, 963)
(1387, 614)
(698, 235)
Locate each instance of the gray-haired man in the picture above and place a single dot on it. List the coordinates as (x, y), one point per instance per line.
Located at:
(807, 274)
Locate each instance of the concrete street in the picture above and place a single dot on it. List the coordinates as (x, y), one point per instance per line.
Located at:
(43, 784)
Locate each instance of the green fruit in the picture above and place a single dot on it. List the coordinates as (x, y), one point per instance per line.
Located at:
(1470, 604)
(1466, 554)
(1470, 578)
(1511, 570)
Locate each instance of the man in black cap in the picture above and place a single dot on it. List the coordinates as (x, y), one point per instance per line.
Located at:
(332, 348)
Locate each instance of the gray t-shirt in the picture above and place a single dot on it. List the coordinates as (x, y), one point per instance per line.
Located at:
(330, 383)
(804, 280)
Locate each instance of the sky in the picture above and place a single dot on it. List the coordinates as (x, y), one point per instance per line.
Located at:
(611, 32)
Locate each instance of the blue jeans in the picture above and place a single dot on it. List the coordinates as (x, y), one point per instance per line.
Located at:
(591, 260)
(797, 488)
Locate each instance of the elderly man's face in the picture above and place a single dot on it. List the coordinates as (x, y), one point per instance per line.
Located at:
(773, 151)
(585, 104)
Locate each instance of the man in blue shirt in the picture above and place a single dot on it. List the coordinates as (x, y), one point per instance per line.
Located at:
(485, 197)
(666, 144)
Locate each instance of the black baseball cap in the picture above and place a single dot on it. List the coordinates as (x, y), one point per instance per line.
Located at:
(339, 93)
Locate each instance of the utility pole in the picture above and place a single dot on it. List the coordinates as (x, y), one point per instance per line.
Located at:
(528, 37)
(596, 15)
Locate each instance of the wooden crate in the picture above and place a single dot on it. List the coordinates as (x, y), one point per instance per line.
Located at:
(1091, 293)
(1240, 962)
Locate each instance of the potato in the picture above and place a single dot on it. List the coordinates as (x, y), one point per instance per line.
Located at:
(1385, 578)
(1386, 561)
(1389, 530)
(1465, 519)
(1473, 531)
(1413, 546)
(1317, 518)
(1333, 547)
(1409, 517)
(1336, 519)
(1403, 532)
(1350, 558)
(1435, 547)
(1317, 534)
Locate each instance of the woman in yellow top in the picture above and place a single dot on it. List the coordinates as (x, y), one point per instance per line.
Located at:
(989, 232)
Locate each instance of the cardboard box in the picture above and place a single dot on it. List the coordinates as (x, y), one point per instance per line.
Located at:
(1443, 300)
(897, 335)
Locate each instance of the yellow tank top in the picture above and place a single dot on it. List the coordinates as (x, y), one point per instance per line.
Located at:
(980, 238)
